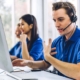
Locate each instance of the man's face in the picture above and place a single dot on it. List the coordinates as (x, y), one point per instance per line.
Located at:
(61, 20)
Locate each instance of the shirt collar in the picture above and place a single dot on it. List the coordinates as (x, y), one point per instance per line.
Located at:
(75, 36)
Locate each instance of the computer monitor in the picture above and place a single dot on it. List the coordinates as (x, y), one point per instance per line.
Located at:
(5, 61)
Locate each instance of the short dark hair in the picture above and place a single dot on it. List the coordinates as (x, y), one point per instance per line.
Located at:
(69, 8)
(30, 19)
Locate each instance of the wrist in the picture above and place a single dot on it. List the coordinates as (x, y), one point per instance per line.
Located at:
(23, 41)
(47, 57)
(29, 63)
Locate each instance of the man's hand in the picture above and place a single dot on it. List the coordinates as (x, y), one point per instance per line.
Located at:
(48, 51)
(20, 62)
(13, 57)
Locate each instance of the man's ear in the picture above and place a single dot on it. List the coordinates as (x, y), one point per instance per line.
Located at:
(31, 26)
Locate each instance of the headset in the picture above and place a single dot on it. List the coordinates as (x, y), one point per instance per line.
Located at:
(73, 17)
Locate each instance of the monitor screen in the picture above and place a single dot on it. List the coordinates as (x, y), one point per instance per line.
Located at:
(5, 61)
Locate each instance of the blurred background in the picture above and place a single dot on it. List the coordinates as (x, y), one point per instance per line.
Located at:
(12, 10)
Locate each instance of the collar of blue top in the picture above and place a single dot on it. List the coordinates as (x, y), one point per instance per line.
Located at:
(75, 36)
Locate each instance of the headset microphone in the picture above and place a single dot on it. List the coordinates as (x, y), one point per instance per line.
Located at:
(67, 26)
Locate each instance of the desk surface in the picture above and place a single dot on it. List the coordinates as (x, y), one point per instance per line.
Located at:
(40, 75)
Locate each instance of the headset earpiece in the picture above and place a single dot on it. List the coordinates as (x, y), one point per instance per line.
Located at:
(73, 16)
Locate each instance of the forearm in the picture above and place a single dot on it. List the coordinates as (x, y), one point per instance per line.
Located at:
(70, 70)
(38, 65)
(25, 53)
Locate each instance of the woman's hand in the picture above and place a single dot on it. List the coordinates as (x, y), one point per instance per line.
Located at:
(23, 37)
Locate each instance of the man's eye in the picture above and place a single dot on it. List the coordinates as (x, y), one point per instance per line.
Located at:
(61, 19)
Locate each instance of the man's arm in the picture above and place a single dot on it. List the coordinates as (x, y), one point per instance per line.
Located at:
(32, 64)
(68, 69)
(38, 65)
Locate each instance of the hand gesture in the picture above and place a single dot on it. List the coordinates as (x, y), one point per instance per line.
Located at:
(48, 50)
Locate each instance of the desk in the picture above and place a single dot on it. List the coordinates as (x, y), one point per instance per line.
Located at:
(40, 75)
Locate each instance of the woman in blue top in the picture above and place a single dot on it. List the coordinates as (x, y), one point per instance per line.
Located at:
(30, 46)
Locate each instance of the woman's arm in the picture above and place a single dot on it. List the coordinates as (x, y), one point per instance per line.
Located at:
(25, 52)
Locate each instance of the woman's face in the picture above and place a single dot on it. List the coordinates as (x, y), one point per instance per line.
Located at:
(18, 31)
(25, 28)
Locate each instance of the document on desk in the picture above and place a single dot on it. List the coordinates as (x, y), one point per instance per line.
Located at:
(26, 69)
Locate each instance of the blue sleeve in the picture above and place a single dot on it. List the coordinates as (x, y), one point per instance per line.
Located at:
(12, 50)
(78, 57)
(16, 50)
(37, 50)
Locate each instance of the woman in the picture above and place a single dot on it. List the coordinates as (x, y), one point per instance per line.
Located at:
(30, 46)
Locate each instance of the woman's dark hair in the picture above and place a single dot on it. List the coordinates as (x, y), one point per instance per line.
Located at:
(30, 19)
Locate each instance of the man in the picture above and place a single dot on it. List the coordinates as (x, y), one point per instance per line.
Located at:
(65, 49)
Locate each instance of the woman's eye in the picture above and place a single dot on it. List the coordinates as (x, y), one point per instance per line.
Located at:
(54, 20)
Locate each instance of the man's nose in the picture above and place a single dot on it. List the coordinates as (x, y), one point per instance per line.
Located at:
(57, 24)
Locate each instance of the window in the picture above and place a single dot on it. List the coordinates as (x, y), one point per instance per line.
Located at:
(11, 11)
(5, 13)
